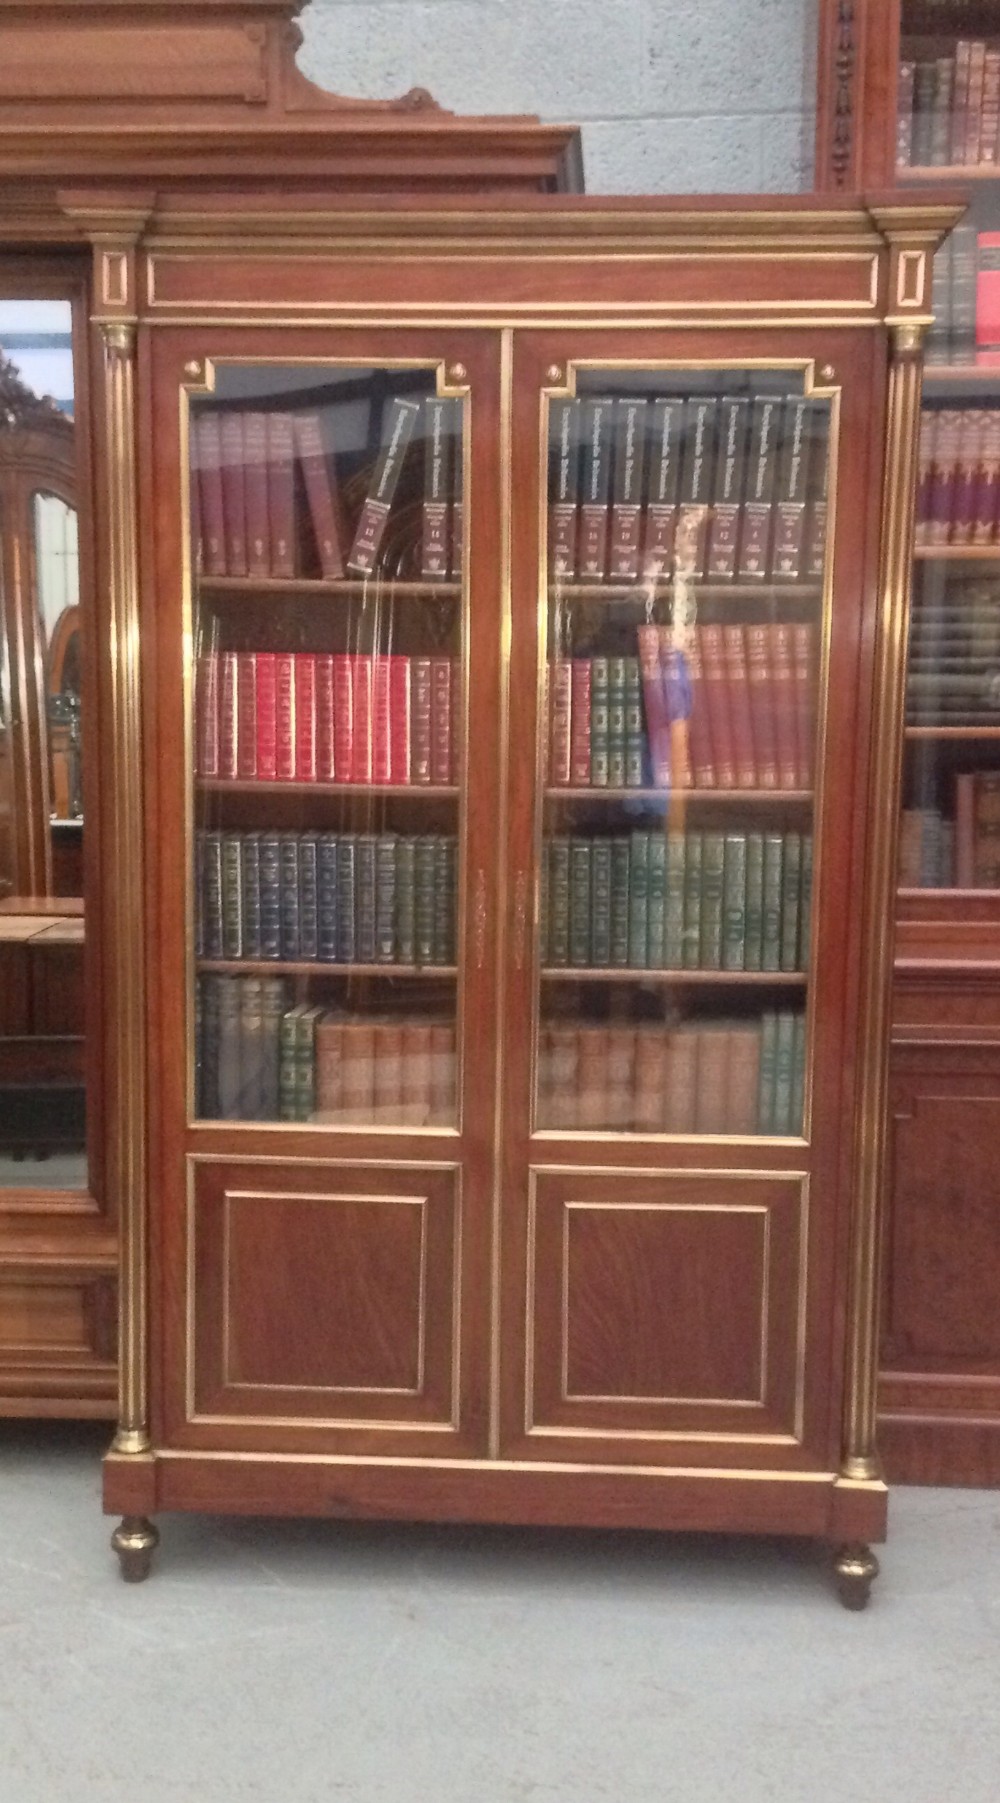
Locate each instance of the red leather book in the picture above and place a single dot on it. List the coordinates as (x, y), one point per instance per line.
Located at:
(400, 725)
(925, 477)
(343, 718)
(803, 683)
(381, 721)
(699, 725)
(438, 445)
(579, 742)
(233, 493)
(963, 517)
(713, 665)
(281, 492)
(246, 715)
(255, 494)
(400, 424)
(441, 719)
(741, 718)
(420, 719)
(319, 476)
(654, 702)
(783, 696)
(209, 441)
(266, 714)
(946, 435)
(206, 703)
(673, 673)
(228, 714)
(326, 748)
(561, 713)
(362, 703)
(305, 717)
(762, 703)
(457, 717)
(284, 717)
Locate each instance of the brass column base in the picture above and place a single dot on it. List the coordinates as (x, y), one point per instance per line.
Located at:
(135, 1540)
(855, 1568)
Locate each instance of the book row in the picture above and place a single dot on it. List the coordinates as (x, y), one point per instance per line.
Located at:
(726, 486)
(269, 716)
(258, 1057)
(266, 501)
(962, 852)
(953, 670)
(958, 491)
(733, 709)
(737, 1076)
(677, 901)
(949, 107)
(338, 898)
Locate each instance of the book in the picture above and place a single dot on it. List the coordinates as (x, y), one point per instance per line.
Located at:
(560, 716)
(579, 902)
(558, 900)
(434, 523)
(664, 426)
(255, 488)
(596, 420)
(400, 720)
(716, 694)
(693, 857)
(713, 1080)
(755, 535)
(771, 901)
(790, 490)
(599, 732)
(675, 904)
(791, 898)
(233, 492)
(803, 684)
(650, 1087)
(734, 902)
(326, 743)
(381, 721)
(362, 718)
(617, 711)
(206, 713)
(207, 436)
(319, 478)
(730, 476)
(580, 723)
(564, 473)
(400, 424)
(281, 493)
(343, 718)
(421, 719)
(742, 1079)
(763, 709)
(766, 1074)
(246, 714)
(232, 895)
(364, 900)
(814, 541)
(656, 902)
(778, 654)
(654, 702)
(696, 483)
(754, 903)
(682, 1081)
(441, 720)
(638, 900)
(600, 903)
(305, 717)
(625, 554)
(747, 774)
(713, 852)
(270, 895)
(620, 899)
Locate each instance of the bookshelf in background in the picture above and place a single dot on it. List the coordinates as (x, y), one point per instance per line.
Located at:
(911, 92)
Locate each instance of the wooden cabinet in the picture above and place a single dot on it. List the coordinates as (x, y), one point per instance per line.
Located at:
(517, 1026)
(908, 93)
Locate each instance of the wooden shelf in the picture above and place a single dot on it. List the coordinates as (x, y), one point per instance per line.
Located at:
(956, 553)
(313, 967)
(952, 732)
(224, 785)
(319, 587)
(704, 586)
(572, 973)
(671, 795)
(947, 172)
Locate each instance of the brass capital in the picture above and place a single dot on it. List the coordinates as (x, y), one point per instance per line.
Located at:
(907, 339)
(119, 336)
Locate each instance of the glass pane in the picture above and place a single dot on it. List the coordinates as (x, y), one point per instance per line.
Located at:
(687, 563)
(328, 745)
(42, 1029)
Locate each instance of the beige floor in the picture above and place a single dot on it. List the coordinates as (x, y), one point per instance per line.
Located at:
(290, 1662)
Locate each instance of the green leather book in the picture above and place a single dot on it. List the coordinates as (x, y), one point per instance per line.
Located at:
(805, 902)
(797, 1118)
(768, 1058)
(600, 903)
(771, 906)
(423, 898)
(579, 903)
(305, 1062)
(657, 901)
(734, 903)
(638, 901)
(674, 911)
(288, 1067)
(713, 857)
(635, 744)
(406, 877)
(616, 723)
(599, 722)
(230, 1038)
(232, 895)
(754, 905)
(791, 896)
(559, 900)
(385, 899)
(364, 899)
(784, 1060)
(211, 896)
(620, 885)
(692, 900)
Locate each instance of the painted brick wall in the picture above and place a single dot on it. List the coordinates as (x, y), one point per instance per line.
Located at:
(676, 96)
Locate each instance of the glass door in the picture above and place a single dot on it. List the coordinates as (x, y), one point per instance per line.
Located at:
(662, 1078)
(335, 831)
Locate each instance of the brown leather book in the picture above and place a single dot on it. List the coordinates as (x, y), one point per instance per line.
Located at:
(233, 493)
(560, 740)
(281, 493)
(682, 1080)
(358, 1083)
(415, 1109)
(712, 1094)
(650, 1078)
(444, 1065)
(620, 1107)
(593, 1051)
(388, 1072)
(400, 425)
(208, 444)
(743, 1077)
(783, 701)
(699, 725)
(319, 476)
(762, 704)
(329, 1069)
(255, 492)
(563, 1111)
(713, 665)
(738, 685)
(804, 683)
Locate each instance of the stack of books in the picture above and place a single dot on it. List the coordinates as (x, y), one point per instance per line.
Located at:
(677, 901)
(746, 694)
(949, 107)
(953, 676)
(958, 494)
(272, 716)
(261, 1058)
(723, 1076)
(267, 503)
(336, 898)
(724, 486)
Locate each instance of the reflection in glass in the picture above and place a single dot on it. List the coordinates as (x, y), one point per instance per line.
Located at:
(327, 571)
(686, 560)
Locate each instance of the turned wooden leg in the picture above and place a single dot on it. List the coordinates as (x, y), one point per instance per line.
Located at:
(135, 1540)
(856, 1567)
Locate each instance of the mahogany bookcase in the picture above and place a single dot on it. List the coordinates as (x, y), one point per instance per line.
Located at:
(907, 94)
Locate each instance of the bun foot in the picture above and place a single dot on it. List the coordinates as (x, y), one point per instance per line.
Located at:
(135, 1540)
(855, 1568)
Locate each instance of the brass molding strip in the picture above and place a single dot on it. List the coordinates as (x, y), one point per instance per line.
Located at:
(860, 1459)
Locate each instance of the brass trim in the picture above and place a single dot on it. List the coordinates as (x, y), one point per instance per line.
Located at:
(726, 1474)
(506, 500)
(469, 317)
(124, 898)
(860, 1459)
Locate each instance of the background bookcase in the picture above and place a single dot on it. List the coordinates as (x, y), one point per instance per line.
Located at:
(907, 95)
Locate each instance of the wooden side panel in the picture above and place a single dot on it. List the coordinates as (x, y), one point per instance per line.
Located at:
(57, 1342)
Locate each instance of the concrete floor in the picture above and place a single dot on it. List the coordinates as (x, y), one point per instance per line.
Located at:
(296, 1662)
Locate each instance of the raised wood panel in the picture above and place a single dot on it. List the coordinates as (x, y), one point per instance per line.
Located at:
(325, 1294)
(137, 61)
(667, 1302)
(57, 1343)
